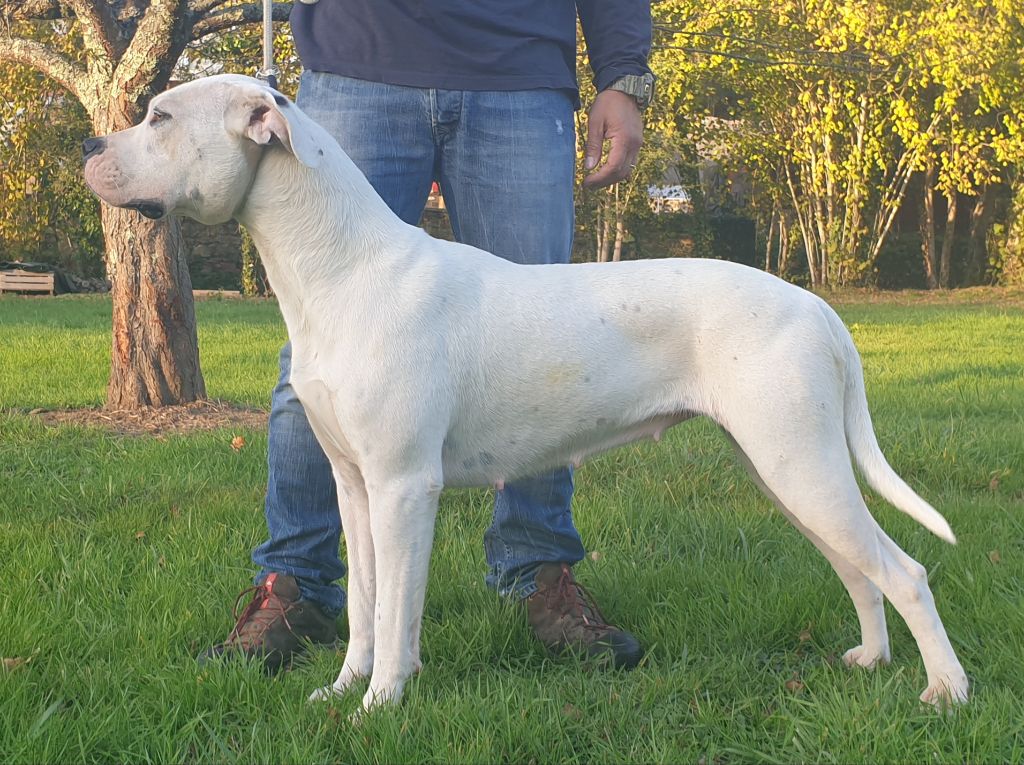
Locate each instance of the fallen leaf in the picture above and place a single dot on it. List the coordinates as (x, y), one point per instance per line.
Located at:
(595, 556)
(993, 485)
(237, 443)
(794, 685)
(140, 534)
(804, 636)
(16, 662)
(994, 556)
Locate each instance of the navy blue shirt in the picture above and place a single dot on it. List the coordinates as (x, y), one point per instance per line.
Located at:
(473, 44)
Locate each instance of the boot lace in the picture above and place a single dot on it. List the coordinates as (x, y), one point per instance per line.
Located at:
(257, 617)
(578, 601)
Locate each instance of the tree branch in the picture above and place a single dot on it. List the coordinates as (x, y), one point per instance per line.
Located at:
(159, 38)
(97, 26)
(237, 16)
(203, 7)
(55, 66)
(32, 10)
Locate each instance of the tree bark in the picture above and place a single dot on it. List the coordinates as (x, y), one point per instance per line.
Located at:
(768, 240)
(605, 232)
(977, 244)
(155, 358)
(155, 350)
(784, 246)
(620, 227)
(931, 271)
(948, 237)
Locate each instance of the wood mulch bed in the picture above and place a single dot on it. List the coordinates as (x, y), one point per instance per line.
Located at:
(151, 421)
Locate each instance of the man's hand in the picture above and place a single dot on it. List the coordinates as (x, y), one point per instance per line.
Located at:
(614, 117)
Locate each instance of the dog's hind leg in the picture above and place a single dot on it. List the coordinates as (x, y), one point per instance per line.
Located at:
(402, 514)
(947, 681)
(867, 598)
(806, 466)
(355, 524)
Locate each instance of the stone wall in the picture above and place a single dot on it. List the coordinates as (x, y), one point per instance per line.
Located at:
(214, 255)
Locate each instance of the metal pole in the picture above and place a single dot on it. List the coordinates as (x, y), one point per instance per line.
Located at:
(269, 71)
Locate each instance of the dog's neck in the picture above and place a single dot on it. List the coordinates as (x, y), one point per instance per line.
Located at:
(315, 229)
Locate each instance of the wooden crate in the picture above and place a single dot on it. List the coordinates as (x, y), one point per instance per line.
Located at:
(25, 281)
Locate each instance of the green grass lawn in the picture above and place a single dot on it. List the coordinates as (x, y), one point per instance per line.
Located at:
(120, 558)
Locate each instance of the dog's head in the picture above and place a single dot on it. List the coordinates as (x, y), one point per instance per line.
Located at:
(197, 150)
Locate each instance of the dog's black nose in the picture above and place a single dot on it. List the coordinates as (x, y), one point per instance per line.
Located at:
(93, 146)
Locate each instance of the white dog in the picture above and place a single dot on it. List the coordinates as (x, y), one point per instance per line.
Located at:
(422, 363)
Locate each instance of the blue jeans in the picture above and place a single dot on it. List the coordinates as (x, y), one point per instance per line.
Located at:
(504, 162)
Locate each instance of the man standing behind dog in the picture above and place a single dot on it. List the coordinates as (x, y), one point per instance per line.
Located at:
(479, 96)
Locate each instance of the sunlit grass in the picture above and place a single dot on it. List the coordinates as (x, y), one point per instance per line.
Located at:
(120, 558)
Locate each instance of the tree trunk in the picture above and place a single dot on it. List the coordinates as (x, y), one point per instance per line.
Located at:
(977, 244)
(931, 271)
(155, 360)
(605, 232)
(769, 239)
(620, 227)
(784, 246)
(948, 237)
(1012, 246)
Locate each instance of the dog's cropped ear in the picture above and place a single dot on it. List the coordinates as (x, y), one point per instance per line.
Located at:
(269, 115)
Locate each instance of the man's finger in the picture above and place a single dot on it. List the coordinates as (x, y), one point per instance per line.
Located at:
(595, 143)
(619, 165)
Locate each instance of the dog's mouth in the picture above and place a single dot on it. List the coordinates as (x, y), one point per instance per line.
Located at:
(148, 208)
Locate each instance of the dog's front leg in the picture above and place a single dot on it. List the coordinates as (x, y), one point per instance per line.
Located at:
(355, 525)
(402, 514)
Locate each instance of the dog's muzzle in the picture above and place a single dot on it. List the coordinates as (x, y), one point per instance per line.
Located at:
(148, 208)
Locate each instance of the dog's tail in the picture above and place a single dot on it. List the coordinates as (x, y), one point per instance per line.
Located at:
(863, 445)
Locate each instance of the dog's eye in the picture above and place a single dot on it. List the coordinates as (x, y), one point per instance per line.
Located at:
(158, 116)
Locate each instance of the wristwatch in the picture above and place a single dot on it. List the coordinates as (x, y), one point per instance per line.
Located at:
(640, 86)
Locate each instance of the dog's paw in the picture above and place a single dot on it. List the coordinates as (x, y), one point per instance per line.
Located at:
(326, 693)
(869, 658)
(947, 693)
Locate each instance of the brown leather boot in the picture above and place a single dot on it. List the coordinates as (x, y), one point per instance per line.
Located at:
(275, 626)
(564, 617)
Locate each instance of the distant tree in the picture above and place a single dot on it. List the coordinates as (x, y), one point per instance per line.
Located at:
(45, 209)
(965, 58)
(831, 107)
